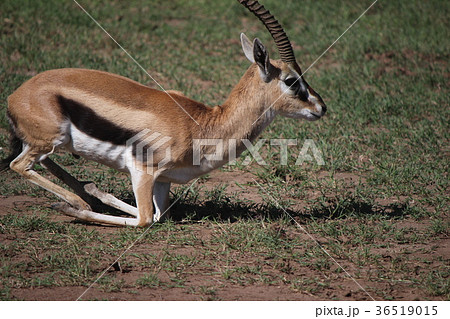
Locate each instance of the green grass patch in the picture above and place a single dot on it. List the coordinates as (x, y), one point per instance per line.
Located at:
(379, 205)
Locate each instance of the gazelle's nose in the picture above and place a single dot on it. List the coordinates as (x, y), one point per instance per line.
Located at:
(318, 102)
(324, 108)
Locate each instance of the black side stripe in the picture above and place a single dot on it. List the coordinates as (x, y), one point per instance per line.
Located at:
(92, 124)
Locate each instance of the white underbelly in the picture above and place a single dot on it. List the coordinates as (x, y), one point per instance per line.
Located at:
(183, 175)
(120, 157)
(106, 153)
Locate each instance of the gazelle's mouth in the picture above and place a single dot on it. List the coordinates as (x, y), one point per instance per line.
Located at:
(305, 114)
(312, 116)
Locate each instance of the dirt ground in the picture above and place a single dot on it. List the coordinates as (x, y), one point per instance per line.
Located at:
(206, 283)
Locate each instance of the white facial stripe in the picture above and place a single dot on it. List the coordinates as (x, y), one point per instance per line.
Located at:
(312, 98)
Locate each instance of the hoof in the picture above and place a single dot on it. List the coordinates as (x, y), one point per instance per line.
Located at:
(61, 206)
(90, 188)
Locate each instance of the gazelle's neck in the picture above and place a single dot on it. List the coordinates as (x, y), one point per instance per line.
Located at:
(246, 111)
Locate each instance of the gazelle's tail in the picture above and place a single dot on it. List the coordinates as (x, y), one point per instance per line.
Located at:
(16, 148)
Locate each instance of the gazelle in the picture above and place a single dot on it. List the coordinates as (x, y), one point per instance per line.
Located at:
(95, 114)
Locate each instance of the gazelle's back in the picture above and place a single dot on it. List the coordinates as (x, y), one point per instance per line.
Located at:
(99, 102)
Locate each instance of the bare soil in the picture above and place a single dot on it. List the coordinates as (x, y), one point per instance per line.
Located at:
(208, 283)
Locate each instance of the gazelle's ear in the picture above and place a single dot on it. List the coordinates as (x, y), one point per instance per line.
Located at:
(247, 47)
(261, 58)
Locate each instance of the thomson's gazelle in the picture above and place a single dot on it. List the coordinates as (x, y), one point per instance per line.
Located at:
(96, 114)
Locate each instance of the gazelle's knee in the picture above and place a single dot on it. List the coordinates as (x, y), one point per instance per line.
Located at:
(144, 222)
(23, 164)
(145, 218)
(19, 165)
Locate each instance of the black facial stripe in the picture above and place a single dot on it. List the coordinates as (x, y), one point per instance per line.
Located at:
(299, 87)
(89, 122)
(302, 91)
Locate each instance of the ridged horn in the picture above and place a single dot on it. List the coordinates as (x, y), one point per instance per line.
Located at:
(276, 30)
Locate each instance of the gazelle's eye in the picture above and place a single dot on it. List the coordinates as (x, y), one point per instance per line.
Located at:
(292, 83)
(297, 87)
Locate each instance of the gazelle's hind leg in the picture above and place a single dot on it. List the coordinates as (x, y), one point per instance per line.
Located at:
(69, 180)
(89, 189)
(90, 216)
(142, 187)
(23, 165)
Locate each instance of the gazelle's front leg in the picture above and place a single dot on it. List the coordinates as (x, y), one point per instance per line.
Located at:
(143, 192)
(110, 200)
(161, 200)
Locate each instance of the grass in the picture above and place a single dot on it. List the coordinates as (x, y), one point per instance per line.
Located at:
(379, 204)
